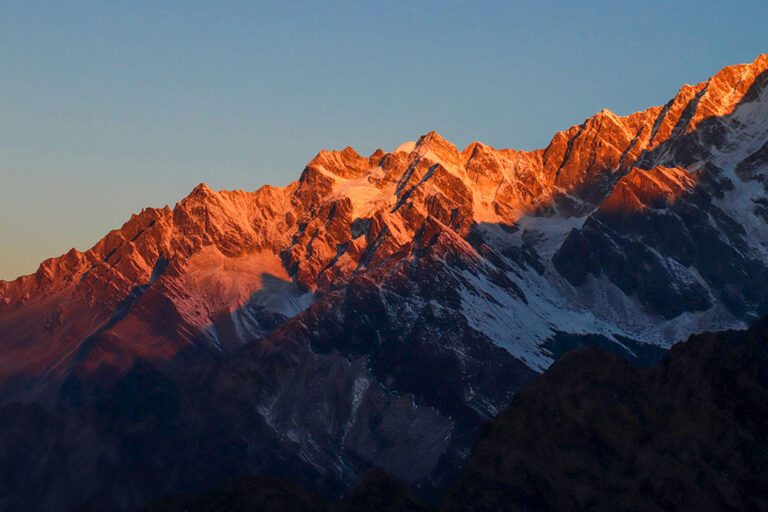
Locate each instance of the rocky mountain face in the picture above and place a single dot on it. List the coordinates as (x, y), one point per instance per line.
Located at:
(378, 311)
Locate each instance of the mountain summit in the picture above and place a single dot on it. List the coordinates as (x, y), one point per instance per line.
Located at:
(416, 291)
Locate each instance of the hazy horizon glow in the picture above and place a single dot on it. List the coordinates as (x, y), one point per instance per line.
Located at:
(111, 107)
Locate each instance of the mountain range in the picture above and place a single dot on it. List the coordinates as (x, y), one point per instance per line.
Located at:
(380, 311)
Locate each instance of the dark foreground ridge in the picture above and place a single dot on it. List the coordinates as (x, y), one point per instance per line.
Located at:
(593, 433)
(596, 433)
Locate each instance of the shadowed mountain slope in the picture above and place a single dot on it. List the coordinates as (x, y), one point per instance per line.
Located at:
(597, 433)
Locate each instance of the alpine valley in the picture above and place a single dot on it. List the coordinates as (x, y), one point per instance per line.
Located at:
(362, 327)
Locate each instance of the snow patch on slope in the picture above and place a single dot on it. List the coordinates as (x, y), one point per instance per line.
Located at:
(406, 147)
(215, 284)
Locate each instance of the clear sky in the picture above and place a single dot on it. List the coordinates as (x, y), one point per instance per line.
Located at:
(107, 107)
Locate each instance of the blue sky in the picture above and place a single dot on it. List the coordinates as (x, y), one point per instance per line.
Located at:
(107, 107)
